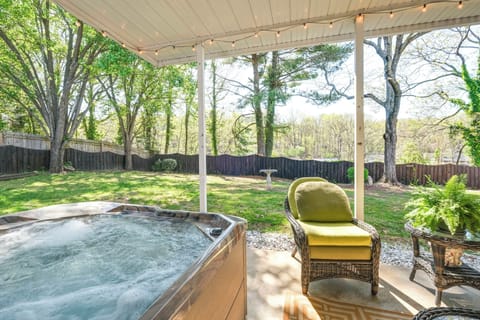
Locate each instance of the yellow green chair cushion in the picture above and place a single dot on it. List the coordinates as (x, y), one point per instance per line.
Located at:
(335, 234)
(291, 192)
(340, 253)
(322, 201)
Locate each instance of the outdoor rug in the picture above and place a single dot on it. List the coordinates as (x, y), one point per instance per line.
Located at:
(300, 307)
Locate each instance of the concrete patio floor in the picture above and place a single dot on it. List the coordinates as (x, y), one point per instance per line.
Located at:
(271, 274)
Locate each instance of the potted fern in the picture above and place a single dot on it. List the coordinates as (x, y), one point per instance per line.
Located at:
(449, 209)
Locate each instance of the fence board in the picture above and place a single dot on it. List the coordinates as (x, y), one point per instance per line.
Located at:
(17, 160)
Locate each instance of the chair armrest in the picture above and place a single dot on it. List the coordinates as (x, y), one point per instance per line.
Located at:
(298, 233)
(376, 242)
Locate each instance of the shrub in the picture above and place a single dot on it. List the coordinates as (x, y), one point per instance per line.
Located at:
(165, 165)
(169, 164)
(351, 174)
(157, 166)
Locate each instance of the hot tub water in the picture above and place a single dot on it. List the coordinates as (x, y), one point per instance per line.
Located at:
(102, 267)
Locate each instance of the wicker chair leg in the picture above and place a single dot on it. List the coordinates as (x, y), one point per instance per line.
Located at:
(305, 277)
(438, 296)
(305, 289)
(374, 288)
(294, 252)
(412, 274)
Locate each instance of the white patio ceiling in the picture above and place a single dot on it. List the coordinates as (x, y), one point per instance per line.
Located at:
(164, 31)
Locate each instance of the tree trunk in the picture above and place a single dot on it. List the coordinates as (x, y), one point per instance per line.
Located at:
(168, 127)
(57, 151)
(213, 112)
(273, 87)
(127, 145)
(187, 120)
(392, 107)
(257, 107)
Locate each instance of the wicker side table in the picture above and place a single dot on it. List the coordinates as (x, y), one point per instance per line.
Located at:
(434, 265)
(447, 313)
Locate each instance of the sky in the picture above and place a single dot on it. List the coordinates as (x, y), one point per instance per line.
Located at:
(411, 70)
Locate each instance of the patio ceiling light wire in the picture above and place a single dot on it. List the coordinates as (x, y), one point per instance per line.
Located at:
(327, 22)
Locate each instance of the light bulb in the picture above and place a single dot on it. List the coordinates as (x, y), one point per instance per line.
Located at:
(210, 42)
(278, 34)
(104, 33)
(391, 14)
(193, 48)
(156, 52)
(305, 25)
(460, 4)
(331, 25)
(256, 35)
(424, 8)
(233, 44)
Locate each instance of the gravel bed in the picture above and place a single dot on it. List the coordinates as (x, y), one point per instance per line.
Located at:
(397, 254)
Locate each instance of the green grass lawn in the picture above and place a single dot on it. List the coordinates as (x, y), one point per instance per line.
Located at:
(241, 196)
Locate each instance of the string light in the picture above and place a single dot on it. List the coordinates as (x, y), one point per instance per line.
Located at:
(104, 33)
(360, 17)
(305, 25)
(78, 23)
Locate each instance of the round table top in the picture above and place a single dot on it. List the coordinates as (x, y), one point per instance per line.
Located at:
(467, 241)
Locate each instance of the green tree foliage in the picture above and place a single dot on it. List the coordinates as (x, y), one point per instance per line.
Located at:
(470, 132)
(128, 82)
(90, 122)
(189, 90)
(46, 55)
(411, 154)
(276, 76)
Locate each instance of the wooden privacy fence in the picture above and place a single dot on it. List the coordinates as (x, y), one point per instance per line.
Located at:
(36, 142)
(16, 160)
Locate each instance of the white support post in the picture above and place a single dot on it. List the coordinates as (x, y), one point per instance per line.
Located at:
(202, 153)
(359, 120)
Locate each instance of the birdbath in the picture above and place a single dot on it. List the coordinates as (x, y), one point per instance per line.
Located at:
(268, 172)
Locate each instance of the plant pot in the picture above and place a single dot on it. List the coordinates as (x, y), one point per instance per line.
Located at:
(442, 227)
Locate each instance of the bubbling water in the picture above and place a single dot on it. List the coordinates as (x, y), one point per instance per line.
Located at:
(98, 267)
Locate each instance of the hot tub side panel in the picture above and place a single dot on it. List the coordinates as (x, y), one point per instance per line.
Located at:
(217, 290)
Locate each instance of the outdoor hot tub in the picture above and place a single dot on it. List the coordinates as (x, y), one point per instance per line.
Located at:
(104, 260)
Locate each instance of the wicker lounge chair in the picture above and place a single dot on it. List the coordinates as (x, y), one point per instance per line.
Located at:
(447, 313)
(332, 243)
